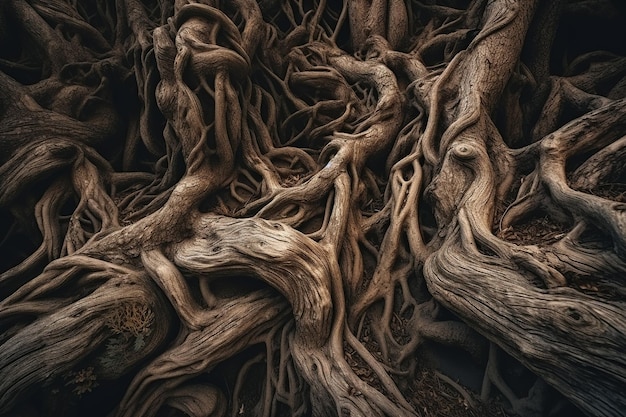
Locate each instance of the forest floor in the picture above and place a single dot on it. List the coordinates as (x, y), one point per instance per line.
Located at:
(435, 396)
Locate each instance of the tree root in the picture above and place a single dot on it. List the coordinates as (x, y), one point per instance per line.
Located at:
(311, 195)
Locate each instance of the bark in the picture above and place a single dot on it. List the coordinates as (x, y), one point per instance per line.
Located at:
(289, 208)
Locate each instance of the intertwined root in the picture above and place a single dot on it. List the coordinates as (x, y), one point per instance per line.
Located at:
(302, 198)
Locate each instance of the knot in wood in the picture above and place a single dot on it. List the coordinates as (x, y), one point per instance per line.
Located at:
(464, 152)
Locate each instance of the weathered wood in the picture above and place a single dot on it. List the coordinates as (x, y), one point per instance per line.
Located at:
(575, 342)
(56, 342)
(322, 191)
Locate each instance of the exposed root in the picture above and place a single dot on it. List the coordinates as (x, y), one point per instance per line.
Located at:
(286, 208)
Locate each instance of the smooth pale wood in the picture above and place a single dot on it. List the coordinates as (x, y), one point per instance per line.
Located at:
(280, 256)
